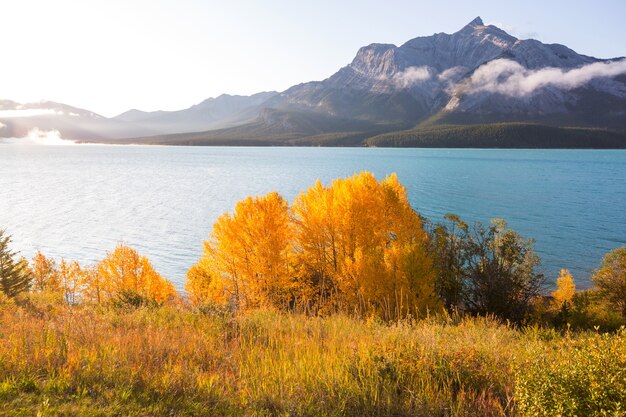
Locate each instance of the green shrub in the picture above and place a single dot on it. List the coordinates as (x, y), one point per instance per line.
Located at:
(580, 376)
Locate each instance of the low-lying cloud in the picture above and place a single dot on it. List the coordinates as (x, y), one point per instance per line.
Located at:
(452, 74)
(11, 114)
(39, 137)
(510, 78)
(412, 76)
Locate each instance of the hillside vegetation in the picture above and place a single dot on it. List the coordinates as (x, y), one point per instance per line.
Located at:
(502, 135)
(305, 130)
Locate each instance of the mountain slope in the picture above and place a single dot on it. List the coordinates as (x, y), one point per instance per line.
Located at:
(213, 113)
(502, 135)
(277, 127)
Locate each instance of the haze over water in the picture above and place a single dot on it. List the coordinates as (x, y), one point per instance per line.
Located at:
(77, 202)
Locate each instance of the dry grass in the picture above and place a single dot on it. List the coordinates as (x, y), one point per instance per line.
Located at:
(58, 360)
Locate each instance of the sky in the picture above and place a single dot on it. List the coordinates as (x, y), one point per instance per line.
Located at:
(113, 55)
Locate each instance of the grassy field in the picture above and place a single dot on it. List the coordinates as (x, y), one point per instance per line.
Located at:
(178, 361)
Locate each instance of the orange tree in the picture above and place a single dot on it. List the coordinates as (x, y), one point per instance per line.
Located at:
(125, 271)
(360, 246)
(246, 260)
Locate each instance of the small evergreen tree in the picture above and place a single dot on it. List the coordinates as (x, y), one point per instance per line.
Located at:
(15, 275)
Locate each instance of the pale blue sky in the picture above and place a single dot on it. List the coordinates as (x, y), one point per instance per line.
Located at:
(112, 55)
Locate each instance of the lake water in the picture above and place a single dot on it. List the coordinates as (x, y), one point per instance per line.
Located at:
(77, 202)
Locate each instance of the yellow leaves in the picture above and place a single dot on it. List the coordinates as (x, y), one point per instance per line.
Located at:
(45, 277)
(125, 269)
(359, 236)
(66, 278)
(198, 286)
(247, 255)
(356, 242)
(71, 278)
(565, 290)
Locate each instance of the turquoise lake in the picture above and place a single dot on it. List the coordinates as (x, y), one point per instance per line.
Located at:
(77, 202)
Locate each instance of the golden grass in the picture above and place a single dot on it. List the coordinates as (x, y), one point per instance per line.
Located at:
(85, 360)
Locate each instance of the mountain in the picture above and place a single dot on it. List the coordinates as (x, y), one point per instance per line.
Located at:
(478, 74)
(79, 124)
(438, 90)
(17, 120)
(213, 113)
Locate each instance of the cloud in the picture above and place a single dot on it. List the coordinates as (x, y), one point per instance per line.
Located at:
(452, 74)
(39, 137)
(10, 114)
(510, 78)
(513, 30)
(507, 28)
(411, 76)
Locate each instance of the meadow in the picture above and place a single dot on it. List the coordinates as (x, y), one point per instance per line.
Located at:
(175, 360)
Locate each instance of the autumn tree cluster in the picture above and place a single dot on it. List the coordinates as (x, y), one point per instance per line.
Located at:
(356, 245)
(603, 305)
(353, 246)
(123, 273)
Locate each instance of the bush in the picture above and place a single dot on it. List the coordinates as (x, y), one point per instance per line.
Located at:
(583, 376)
(610, 279)
(485, 270)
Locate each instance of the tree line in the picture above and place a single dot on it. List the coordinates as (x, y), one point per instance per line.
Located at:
(354, 246)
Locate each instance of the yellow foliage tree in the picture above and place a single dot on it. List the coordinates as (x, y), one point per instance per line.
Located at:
(125, 269)
(563, 296)
(94, 287)
(70, 277)
(198, 285)
(45, 274)
(362, 246)
(245, 262)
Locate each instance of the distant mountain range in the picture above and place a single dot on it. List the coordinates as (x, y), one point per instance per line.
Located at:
(477, 87)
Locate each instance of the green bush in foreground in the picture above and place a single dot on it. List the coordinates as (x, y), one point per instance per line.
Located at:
(579, 376)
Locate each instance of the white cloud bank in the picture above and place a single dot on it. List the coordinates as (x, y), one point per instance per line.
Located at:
(39, 137)
(510, 78)
(411, 76)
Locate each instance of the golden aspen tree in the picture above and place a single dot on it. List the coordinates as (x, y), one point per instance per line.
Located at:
(563, 296)
(125, 269)
(93, 290)
(361, 239)
(198, 284)
(70, 280)
(316, 254)
(247, 256)
(45, 274)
